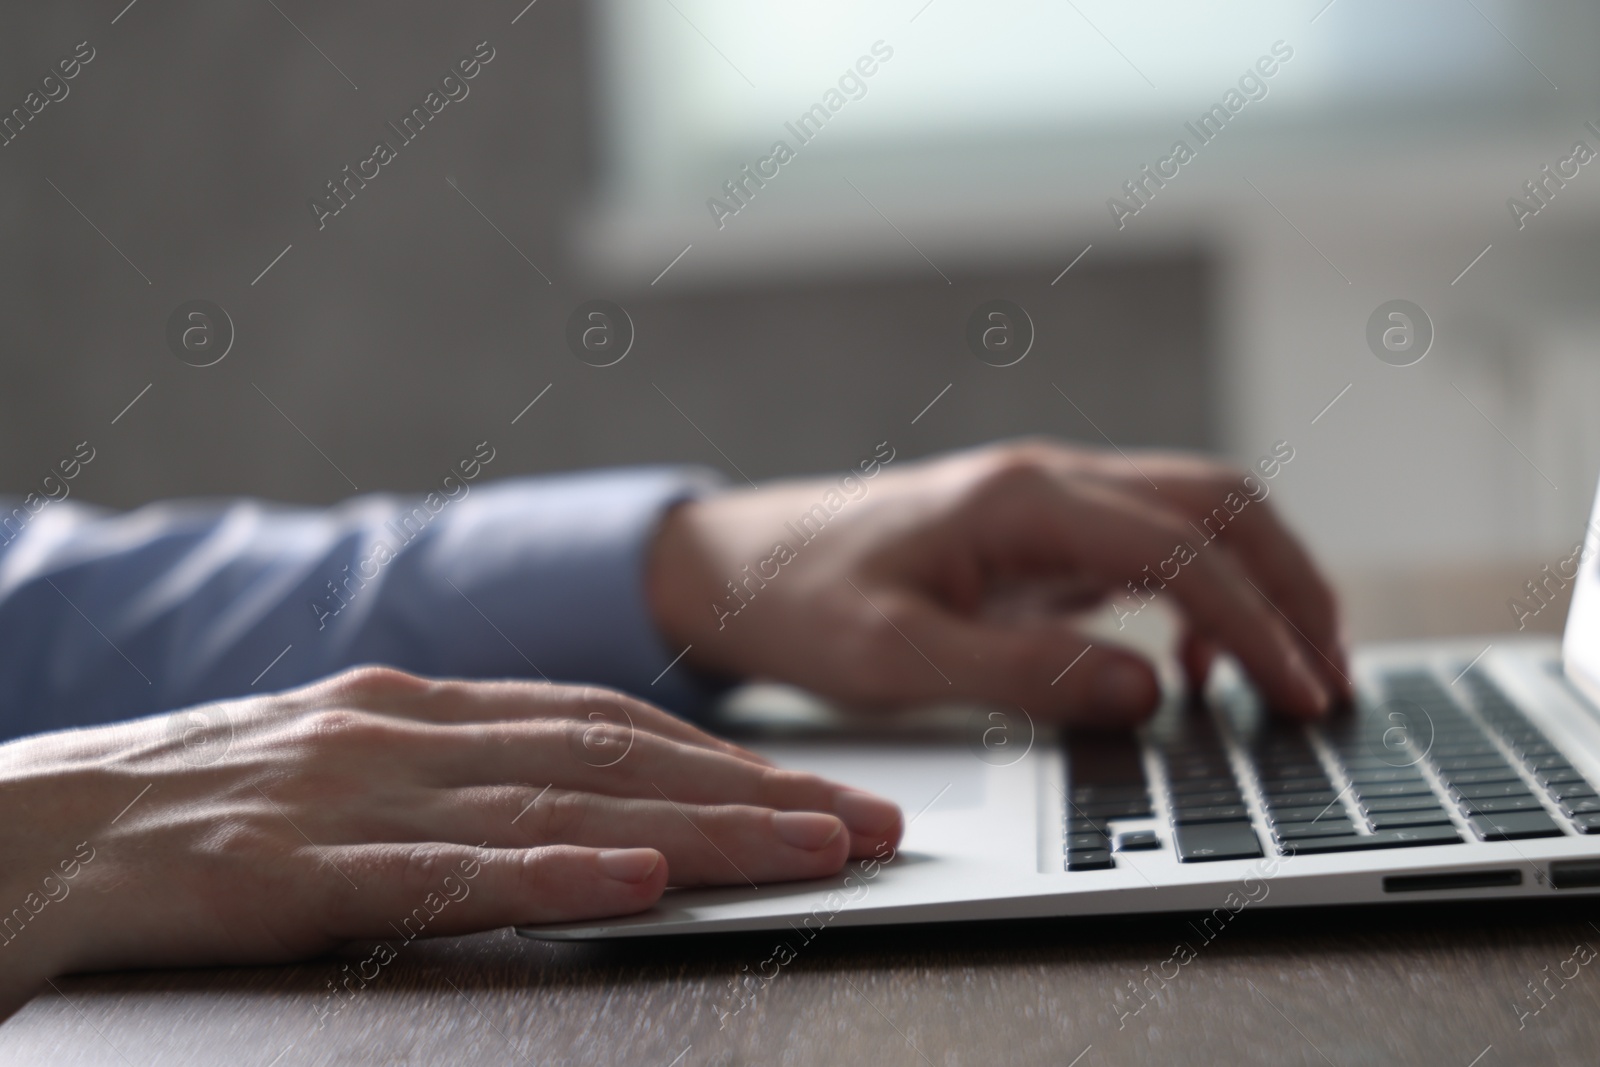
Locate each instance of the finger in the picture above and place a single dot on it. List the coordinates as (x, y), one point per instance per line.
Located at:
(1115, 535)
(1224, 606)
(503, 701)
(397, 693)
(728, 844)
(928, 653)
(1287, 574)
(1219, 499)
(608, 760)
(432, 889)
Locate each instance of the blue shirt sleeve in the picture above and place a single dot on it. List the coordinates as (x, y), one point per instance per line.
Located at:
(107, 616)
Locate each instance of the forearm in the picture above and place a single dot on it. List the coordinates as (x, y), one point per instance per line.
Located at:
(111, 616)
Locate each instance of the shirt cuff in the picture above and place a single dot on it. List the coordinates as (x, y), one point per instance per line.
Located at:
(546, 578)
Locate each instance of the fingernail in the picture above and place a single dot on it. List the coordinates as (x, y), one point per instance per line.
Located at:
(1121, 686)
(810, 830)
(631, 865)
(865, 813)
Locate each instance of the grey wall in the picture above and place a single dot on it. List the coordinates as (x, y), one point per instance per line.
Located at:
(408, 328)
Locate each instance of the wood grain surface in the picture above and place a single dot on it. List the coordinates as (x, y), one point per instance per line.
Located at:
(1416, 984)
(1406, 984)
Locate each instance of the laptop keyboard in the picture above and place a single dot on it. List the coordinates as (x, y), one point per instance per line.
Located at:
(1418, 769)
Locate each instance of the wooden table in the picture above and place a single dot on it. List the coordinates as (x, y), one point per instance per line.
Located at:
(1414, 984)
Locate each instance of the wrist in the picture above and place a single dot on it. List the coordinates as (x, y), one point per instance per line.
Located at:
(681, 583)
(34, 947)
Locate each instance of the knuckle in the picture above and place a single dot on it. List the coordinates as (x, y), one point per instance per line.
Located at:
(1164, 531)
(598, 742)
(775, 782)
(1030, 448)
(425, 868)
(561, 816)
(599, 704)
(533, 871)
(1227, 478)
(1200, 470)
(871, 660)
(342, 728)
(1014, 466)
(587, 695)
(377, 682)
(1028, 658)
(241, 838)
(593, 704)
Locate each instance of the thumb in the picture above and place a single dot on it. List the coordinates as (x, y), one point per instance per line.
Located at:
(1045, 666)
(1102, 686)
(455, 889)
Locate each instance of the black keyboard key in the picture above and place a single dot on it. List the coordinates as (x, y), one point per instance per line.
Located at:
(1384, 804)
(1395, 789)
(1295, 757)
(1077, 825)
(1179, 775)
(1556, 776)
(1190, 786)
(1295, 785)
(1394, 820)
(1088, 794)
(1299, 831)
(1477, 748)
(1207, 800)
(1271, 738)
(1517, 731)
(1096, 860)
(1581, 805)
(1492, 789)
(1515, 825)
(1076, 842)
(1568, 790)
(1552, 761)
(1217, 813)
(1295, 800)
(1454, 729)
(1493, 774)
(1420, 835)
(1587, 823)
(1309, 813)
(1495, 805)
(1470, 763)
(1375, 763)
(1285, 771)
(1137, 841)
(1387, 775)
(1112, 809)
(1216, 841)
(1467, 737)
(1385, 755)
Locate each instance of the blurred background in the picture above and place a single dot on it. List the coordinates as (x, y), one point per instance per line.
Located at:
(981, 160)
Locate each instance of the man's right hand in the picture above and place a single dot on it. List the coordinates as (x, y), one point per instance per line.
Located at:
(274, 828)
(967, 577)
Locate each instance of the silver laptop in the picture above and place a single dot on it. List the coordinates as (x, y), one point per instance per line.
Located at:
(1466, 770)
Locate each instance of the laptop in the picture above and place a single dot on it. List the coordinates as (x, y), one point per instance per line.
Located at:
(1464, 770)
